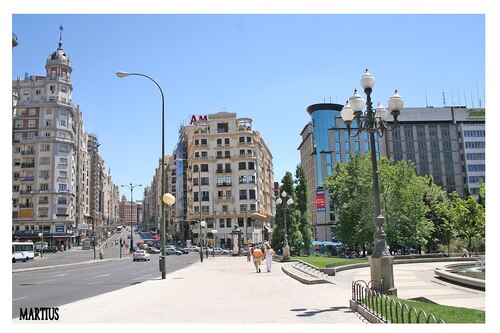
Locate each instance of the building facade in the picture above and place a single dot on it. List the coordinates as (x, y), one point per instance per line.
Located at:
(447, 143)
(221, 172)
(56, 186)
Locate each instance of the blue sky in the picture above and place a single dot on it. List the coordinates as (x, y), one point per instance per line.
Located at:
(267, 67)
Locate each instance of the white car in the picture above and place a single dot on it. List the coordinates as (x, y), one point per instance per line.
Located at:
(141, 255)
(170, 250)
(192, 248)
(219, 250)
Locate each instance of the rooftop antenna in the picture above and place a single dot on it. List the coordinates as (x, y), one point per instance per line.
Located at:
(472, 99)
(465, 97)
(452, 102)
(444, 98)
(426, 104)
(478, 99)
(458, 94)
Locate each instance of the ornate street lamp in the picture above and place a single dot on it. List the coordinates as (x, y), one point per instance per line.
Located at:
(131, 187)
(285, 206)
(162, 208)
(374, 122)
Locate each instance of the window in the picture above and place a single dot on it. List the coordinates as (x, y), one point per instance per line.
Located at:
(204, 181)
(243, 180)
(63, 148)
(222, 128)
(240, 222)
(203, 142)
(44, 187)
(44, 173)
(31, 123)
(227, 154)
(63, 161)
(63, 174)
(62, 123)
(44, 147)
(44, 160)
(64, 89)
(19, 123)
(227, 141)
(251, 194)
(243, 194)
(63, 188)
(204, 168)
(241, 139)
(249, 139)
(242, 166)
(228, 223)
(243, 208)
(221, 223)
(48, 122)
(251, 166)
(219, 142)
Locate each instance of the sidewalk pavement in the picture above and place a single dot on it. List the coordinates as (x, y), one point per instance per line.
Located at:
(219, 290)
(226, 290)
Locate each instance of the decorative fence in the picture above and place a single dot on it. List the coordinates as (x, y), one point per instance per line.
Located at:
(387, 309)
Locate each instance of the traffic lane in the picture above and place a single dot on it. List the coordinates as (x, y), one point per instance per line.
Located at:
(61, 285)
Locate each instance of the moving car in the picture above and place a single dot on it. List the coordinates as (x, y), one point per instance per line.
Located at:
(141, 255)
(170, 250)
(152, 250)
(192, 248)
(182, 250)
(219, 250)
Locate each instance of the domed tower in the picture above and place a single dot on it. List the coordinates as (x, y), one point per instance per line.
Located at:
(58, 68)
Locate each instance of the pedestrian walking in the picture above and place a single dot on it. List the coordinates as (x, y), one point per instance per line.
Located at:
(269, 257)
(257, 258)
(249, 253)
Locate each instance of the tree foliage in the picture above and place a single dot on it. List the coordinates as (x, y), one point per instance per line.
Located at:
(302, 204)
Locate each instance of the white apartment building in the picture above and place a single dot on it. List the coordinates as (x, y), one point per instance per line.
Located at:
(222, 173)
(59, 183)
(44, 154)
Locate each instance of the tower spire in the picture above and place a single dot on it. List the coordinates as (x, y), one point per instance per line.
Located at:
(60, 35)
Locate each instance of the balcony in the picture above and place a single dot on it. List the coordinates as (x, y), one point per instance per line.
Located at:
(25, 205)
(224, 170)
(225, 184)
(27, 179)
(27, 165)
(28, 152)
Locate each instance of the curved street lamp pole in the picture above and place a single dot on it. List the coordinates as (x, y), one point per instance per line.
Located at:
(162, 208)
(374, 122)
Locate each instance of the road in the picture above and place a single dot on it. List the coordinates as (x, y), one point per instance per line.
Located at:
(65, 277)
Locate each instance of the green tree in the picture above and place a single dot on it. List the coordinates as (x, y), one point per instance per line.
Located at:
(292, 217)
(350, 188)
(438, 205)
(469, 217)
(302, 204)
(402, 193)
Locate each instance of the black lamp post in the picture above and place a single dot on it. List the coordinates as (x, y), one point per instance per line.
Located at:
(374, 122)
(285, 205)
(162, 258)
(131, 187)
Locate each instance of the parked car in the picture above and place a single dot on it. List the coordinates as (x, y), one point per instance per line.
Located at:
(51, 248)
(182, 250)
(141, 255)
(169, 251)
(219, 250)
(152, 250)
(192, 248)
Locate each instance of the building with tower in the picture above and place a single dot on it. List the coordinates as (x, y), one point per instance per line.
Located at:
(52, 162)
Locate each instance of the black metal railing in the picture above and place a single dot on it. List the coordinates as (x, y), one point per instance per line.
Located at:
(387, 309)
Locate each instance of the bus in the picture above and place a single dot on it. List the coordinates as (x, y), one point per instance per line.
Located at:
(119, 228)
(23, 251)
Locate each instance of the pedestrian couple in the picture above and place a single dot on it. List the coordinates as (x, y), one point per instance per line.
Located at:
(259, 254)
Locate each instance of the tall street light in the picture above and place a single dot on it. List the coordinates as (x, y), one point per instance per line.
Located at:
(131, 187)
(285, 205)
(162, 208)
(374, 122)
